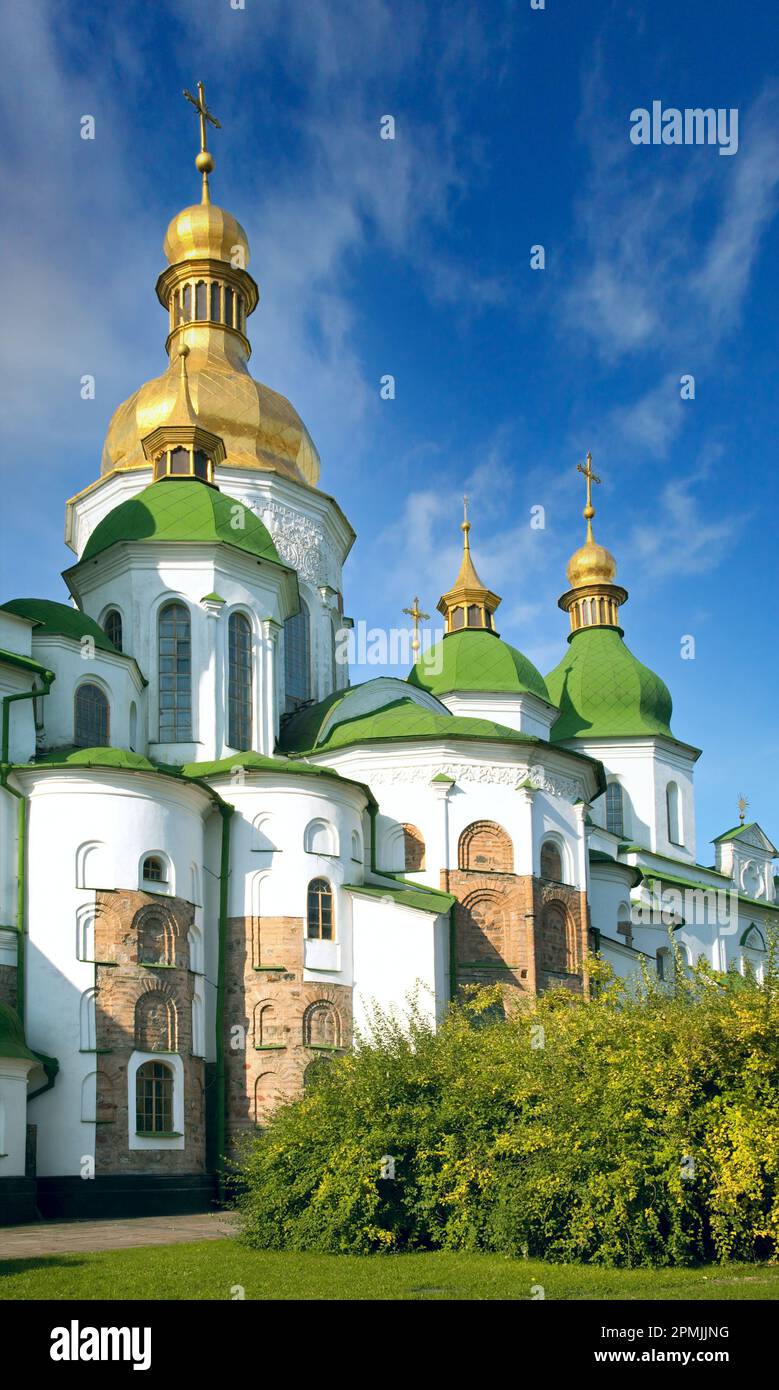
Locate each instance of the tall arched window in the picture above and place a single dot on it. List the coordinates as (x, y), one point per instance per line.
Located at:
(154, 1098)
(551, 862)
(112, 627)
(201, 311)
(91, 722)
(175, 674)
(297, 658)
(239, 682)
(673, 809)
(320, 910)
(615, 809)
(216, 291)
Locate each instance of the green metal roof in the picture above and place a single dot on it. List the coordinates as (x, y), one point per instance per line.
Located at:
(401, 720)
(258, 762)
(59, 620)
(12, 1042)
(741, 830)
(477, 660)
(602, 690)
(418, 897)
(25, 663)
(183, 510)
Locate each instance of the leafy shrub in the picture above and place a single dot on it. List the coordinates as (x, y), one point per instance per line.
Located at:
(640, 1127)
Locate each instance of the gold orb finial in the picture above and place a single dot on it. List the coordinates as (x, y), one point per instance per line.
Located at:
(592, 569)
(417, 616)
(204, 161)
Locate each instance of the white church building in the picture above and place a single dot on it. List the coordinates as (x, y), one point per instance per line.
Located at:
(216, 855)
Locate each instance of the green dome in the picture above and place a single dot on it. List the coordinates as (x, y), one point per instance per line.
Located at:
(60, 620)
(182, 510)
(602, 691)
(477, 661)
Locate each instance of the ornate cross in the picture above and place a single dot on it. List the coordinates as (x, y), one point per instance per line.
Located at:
(417, 616)
(589, 510)
(199, 103)
(742, 808)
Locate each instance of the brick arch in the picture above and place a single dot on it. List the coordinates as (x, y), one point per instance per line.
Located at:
(557, 951)
(268, 1025)
(156, 1021)
(322, 1024)
(413, 849)
(266, 1096)
(484, 919)
(485, 847)
(156, 931)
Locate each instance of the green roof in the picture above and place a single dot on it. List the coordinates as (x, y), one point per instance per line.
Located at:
(59, 620)
(97, 757)
(418, 897)
(183, 510)
(472, 660)
(740, 830)
(25, 663)
(603, 691)
(399, 720)
(259, 762)
(12, 1042)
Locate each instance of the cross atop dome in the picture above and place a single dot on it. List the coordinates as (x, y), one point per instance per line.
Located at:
(204, 161)
(593, 598)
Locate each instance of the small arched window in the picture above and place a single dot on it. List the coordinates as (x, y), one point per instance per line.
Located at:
(156, 938)
(215, 301)
(154, 869)
(297, 659)
(320, 910)
(228, 302)
(551, 862)
(175, 674)
(91, 724)
(201, 311)
(239, 682)
(112, 627)
(186, 302)
(154, 1098)
(673, 808)
(155, 1023)
(485, 847)
(615, 809)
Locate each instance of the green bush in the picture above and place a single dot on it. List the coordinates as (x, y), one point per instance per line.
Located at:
(636, 1128)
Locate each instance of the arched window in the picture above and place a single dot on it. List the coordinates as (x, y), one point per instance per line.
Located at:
(154, 870)
(155, 1023)
(91, 724)
(321, 1025)
(154, 1098)
(673, 808)
(186, 301)
(112, 627)
(175, 674)
(320, 910)
(357, 846)
(239, 682)
(297, 658)
(413, 849)
(201, 311)
(615, 809)
(485, 847)
(624, 924)
(266, 1096)
(215, 301)
(228, 302)
(551, 862)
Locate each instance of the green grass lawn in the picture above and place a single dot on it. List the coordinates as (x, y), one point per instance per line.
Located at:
(211, 1269)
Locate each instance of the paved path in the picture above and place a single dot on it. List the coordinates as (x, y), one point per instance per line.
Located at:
(63, 1237)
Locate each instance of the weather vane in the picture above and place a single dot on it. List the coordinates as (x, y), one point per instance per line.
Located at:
(204, 161)
(742, 808)
(417, 616)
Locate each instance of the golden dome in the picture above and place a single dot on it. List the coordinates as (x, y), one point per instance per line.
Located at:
(260, 429)
(205, 232)
(591, 564)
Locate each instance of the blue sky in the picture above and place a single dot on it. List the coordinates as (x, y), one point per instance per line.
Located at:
(412, 257)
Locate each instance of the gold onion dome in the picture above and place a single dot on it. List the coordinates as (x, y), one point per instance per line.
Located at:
(593, 598)
(209, 294)
(469, 603)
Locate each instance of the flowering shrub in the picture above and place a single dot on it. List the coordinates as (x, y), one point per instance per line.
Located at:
(640, 1127)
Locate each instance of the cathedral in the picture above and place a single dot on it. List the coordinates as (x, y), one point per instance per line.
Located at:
(217, 856)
